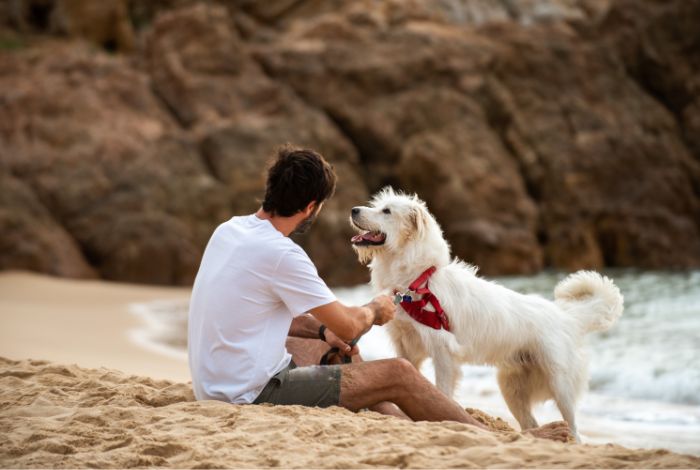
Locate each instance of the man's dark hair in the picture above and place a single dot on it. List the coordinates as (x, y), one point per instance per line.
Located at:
(297, 177)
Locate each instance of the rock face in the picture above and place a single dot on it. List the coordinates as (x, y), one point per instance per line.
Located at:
(106, 163)
(540, 133)
(203, 72)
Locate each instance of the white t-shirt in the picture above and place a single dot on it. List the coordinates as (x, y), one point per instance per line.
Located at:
(251, 283)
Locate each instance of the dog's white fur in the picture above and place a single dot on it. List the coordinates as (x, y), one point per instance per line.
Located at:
(536, 344)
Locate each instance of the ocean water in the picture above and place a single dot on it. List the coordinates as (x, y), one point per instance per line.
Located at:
(644, 372)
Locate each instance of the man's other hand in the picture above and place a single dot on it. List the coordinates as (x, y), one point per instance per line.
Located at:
(383, 308)
(344, 348)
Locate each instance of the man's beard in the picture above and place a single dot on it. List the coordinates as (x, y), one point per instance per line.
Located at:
(305, 224)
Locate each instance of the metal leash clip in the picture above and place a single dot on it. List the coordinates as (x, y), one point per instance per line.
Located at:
(405, 297)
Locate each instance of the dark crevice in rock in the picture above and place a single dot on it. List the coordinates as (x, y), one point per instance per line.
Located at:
(608, 247)
(40, 15)
(270, 12)
(204, 150)
(83, 248)
(670, 95)
(663, 59)
(675, 108)
(510, 9)
(110, 45)
(54, 216)
(246, 26)
(673, 104)
(340, 124)
(170, 110)
(364, 144)
(499, 121)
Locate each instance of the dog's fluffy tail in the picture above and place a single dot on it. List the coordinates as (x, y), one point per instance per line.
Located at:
(593, 299)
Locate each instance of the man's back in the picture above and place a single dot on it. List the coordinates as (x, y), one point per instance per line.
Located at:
(251, 283)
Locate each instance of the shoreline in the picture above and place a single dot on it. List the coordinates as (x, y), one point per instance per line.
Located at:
(85, 322)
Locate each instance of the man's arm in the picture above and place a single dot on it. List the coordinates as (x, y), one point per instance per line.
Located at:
(305, 326)
(350, 322)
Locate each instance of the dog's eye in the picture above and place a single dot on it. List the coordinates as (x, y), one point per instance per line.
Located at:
(386, 210)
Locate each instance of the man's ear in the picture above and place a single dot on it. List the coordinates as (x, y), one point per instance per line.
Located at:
(310, 208)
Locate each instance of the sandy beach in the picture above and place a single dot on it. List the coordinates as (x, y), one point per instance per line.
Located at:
(76, 390)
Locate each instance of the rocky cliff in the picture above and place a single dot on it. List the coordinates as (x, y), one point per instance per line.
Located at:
(559, 134)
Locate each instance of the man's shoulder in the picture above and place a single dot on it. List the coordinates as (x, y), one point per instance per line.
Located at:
(251, 229)
(252, 237)
(293, 257)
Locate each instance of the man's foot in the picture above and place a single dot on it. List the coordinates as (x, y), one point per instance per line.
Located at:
(556, 431)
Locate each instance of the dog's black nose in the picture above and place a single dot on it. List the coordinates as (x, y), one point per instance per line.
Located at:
(355, 210)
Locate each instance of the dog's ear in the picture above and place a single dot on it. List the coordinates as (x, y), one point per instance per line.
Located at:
(418, 218)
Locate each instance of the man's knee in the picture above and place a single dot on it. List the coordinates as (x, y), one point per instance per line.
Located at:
(401, 364)
(403, 371)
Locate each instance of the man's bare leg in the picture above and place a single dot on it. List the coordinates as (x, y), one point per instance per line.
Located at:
(397, 381)
(364, 384)
(386, 383)
(308, 352)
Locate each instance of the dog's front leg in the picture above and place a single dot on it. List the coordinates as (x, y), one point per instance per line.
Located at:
(407, 342)
(447, 371)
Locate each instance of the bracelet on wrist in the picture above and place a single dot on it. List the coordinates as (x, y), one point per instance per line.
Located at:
(322, 333)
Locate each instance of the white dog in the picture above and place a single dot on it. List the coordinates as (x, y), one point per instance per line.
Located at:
(536, 344)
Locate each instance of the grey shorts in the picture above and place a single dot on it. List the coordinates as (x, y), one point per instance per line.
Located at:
(308, 386)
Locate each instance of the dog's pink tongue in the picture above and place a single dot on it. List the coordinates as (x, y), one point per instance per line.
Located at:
(368, 236)
(373, 237)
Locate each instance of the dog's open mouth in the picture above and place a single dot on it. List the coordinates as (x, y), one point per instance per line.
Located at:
(368, 238)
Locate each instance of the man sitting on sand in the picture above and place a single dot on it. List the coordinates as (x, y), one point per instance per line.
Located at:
(255, 287)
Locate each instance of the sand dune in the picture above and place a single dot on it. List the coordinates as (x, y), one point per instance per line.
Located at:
(54, 415)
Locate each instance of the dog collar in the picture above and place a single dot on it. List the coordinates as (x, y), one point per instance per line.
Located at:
(416, 308)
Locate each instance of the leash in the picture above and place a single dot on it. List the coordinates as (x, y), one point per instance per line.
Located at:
(346, 359)
(416, 308)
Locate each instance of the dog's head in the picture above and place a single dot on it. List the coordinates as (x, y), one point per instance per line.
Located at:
(390, 224)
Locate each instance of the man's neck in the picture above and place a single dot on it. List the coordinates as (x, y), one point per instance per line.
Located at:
(284, 225)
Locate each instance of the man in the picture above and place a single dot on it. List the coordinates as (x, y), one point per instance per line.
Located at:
(254, 288)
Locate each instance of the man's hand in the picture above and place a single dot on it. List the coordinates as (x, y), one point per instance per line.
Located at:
(343, 347)
(350, 322)
(383, 309)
